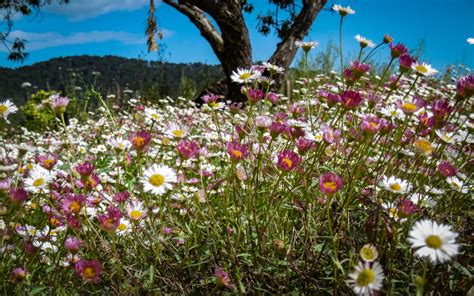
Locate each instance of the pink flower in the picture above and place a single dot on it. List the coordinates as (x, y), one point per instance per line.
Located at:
(122, 196)
(465, 86)
(47, 161)
(371, 124)
(188, 149)
(330, 183)
(350, 99)
(111, 220)
(73, 244)
(140, 140)
(397, 50)
(304, 145)
(89, 270)
(85, 169)
(276, 128)
(405, 62)
(18, 274)
(446, 169)
(272, 97)
(406, 208)
(237, 151)
(59, 103)
(254, 95)
(356, 71)
(222, 278)
(288, 160)
(18, 195)
(441, 109)
(210, 98)
(72, 204)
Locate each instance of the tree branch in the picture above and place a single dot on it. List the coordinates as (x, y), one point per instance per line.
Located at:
(286, 49)
(199, 19)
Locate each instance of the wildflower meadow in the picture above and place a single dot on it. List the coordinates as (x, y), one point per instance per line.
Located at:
(352, 184)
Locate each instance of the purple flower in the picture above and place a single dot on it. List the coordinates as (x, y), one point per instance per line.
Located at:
(288, 160)
(210, 98)
(222, 278)
(140, 140)
(5, 184)
(406, 208)
(304, 145)
(254, 95)
(111, 220)
(47, 161)
(356, 71)
(272, 97)
(276, 128)
(18, 274)
(122, 196)
(330, 183)
(59, 103)
(72, 203)
(441, 109)
(371, 124)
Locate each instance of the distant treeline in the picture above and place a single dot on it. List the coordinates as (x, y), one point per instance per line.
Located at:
(110, 75)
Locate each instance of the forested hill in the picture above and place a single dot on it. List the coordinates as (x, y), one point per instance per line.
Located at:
(109, 75)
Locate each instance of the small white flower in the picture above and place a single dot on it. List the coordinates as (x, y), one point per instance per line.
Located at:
(457, 184)
(152, 115)
(119, 143)
(273, 68)
(306, 45)
(244, 75)
(364, 42)
(422, 200)
(158, 179)
(433, 240)
(366, 278)
(124, 227)
(392, 111)
(423, 69)
(343, 11)
(395, 185)
(177, 131)
(7, 108)
(470, 40)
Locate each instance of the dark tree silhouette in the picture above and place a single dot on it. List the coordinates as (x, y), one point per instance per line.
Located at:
(8, 10)
(230, 40)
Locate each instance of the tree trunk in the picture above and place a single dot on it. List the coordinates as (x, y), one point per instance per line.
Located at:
(232, 44)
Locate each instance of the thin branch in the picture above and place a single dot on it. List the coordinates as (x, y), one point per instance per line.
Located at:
(199, 19)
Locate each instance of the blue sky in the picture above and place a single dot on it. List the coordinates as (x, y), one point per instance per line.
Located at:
(101, 27)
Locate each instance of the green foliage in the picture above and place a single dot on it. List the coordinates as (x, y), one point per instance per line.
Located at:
(38, 117)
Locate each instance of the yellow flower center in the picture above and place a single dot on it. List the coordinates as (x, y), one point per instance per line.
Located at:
(139, 142)
(366, 277)
(330, 185)
(409, 107)
(155, 116)
(421, 69)
(3, 109)
(122, 227)
(395, 187)
(54, 221)
(367, 254)
(157, 180)
(374, 124)
(245, 76)
(236, 153)
(288, 162)
(433, 241)
(89, 272)
(48, 163)
(38, 182)
(74, 206)
(136, 214)
(178, 133)
(423, 146)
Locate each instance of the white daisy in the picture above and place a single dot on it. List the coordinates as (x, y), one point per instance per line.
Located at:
(158, 179)
(177, 131)
(152, 115)
(306, 45)
(343, 11)
(395, 185)
(38, 180)
(244, 75)
(457, 184)
(364, 42)
(273, 68)
(136, 210)
(124, 227)
(422, 200)
(119, 144)
(369, 253)
(423, 69)
(470, 40)
(433, 240)
(392, 111)
(7, 108)
(366, 279)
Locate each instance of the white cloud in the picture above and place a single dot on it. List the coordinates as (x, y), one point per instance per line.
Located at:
(37, 41)
(78, 10)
